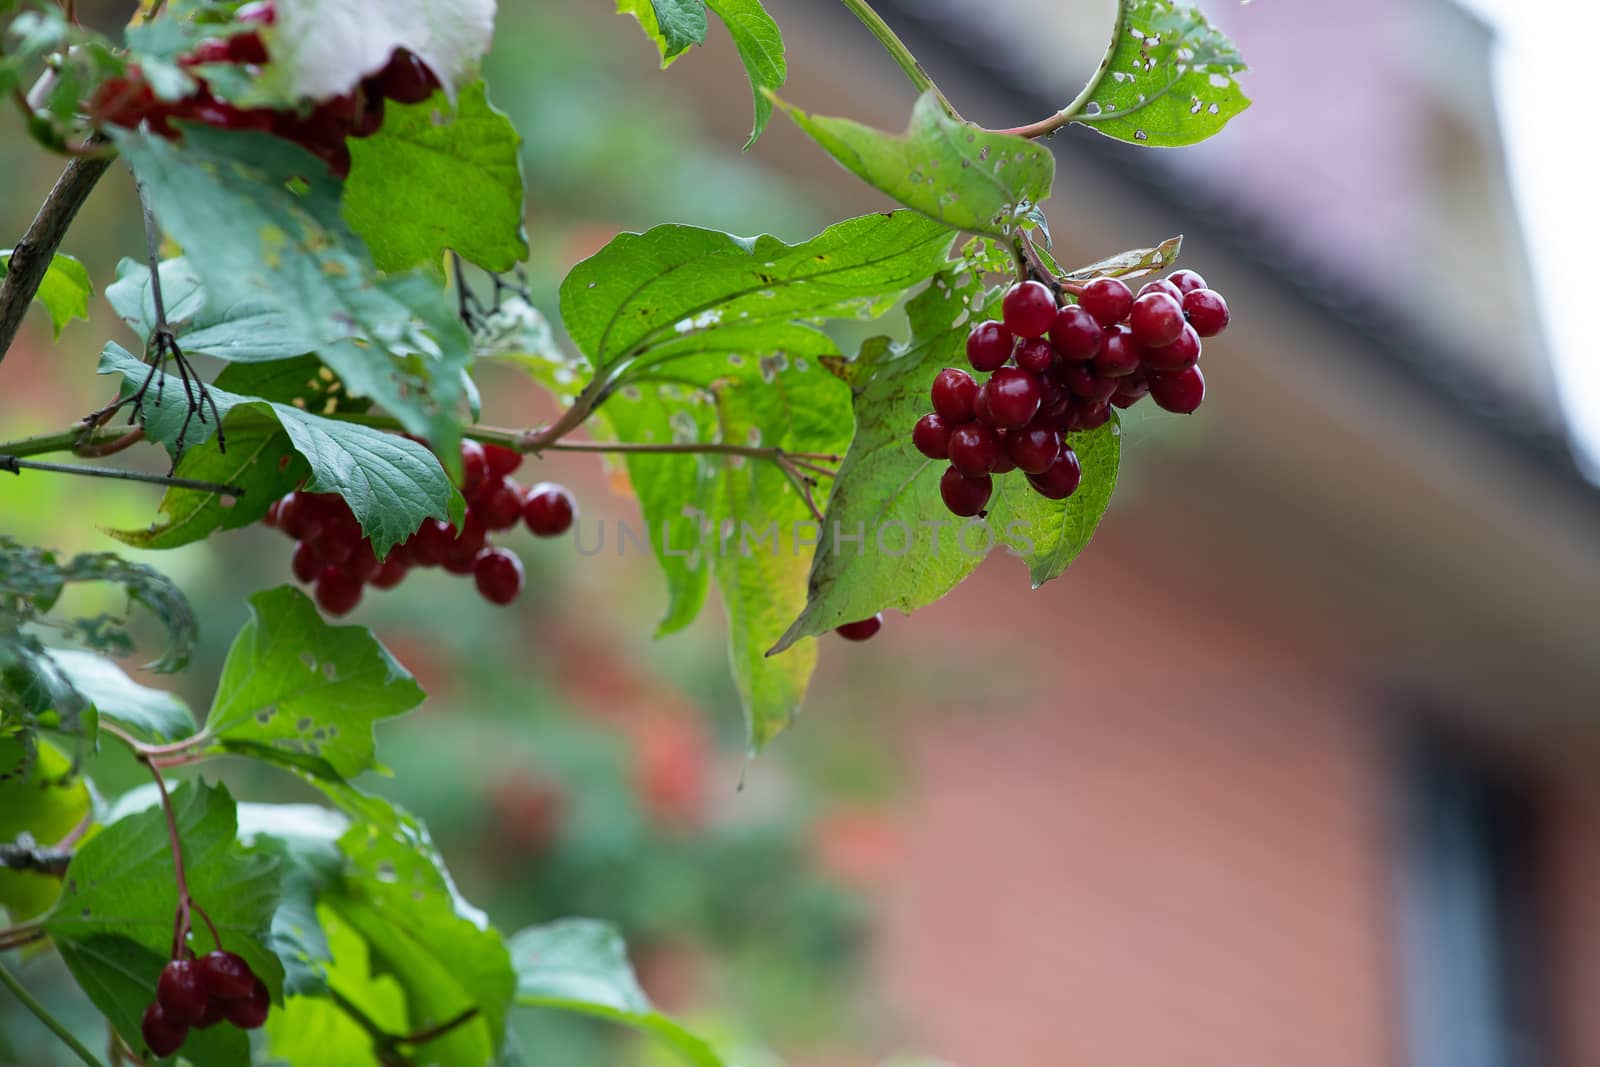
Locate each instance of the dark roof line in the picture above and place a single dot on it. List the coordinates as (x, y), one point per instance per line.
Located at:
(1388, 340)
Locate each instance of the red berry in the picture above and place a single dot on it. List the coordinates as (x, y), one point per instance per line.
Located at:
(363, 563)
(862, 630)
(1179, 355)
(251, 1012)
(498, 575)
(1157, 319)
(962, 495)
(1053, 398)
(1131, 390)
(216, 1011)
(1179, 393)
(1121, 354)
(549, 510)
(297, 517)
(1013, 397)
(974, 449)
(227, 976)
(1028, 309)
(474, 466)
(954, 392)
(181, 992)
(1087, 415)
(502, 461)
(428, 545)
(304, 563)
(336, 545)
(502, 506)
(980, 406)
(1061, 480)
(407, 79)
(1159, 285)
(1034, 448)
(162, 1035)
(338, 591)
(1207, 311)
(461, 552)
(246, 48)
(1003, 463)
(1084, 382)
(931, 435)
(1036, 355)
(1076, 334)
(391, 573)
(1107, 299)
(1186, 280)
(989, 346)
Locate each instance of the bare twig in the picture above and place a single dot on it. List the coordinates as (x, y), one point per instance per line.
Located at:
(14, 465)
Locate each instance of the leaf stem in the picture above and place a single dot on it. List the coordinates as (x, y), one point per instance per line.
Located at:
(433, 1033)
(891, 42)
(1047, 126)
(16, 465)
(41, 1013)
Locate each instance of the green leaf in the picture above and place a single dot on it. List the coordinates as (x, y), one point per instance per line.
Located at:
(760, 45)
(581, 965)
(64, 290)
(314, 1032)
(305, 838)
(389, 481)
(249, 328)
(258, 217)
(149, 714)
(911, 552)
(673, 25)
(113, 923)
(42, 798)
(1168, 80)
(962, 176)
(432, 181)
(297, 691)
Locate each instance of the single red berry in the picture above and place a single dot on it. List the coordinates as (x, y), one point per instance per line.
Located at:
(1061, 480)
(182, 992)
(962, 495)
(1028, 309)
(550, 510)
(502, 461)
(407, 79)
(1053, 398)
(1207, 311)
(1107, 299)
(304, 564)
(974, 449)
(1081, 379)
(931, 435)
(502, 508)
(862, 630)
(251, 1012)
(1087, 415)
(1131, 390)
(989, 346)
(391, 573)
(338, 592)
(1035, 355)
(1179, 393)
(1187, 281)
(474, 466)
(954, 392)
(162, 1034)
(498, 575)
(227, 976)
(1034, 448)
(1121, 354)
(298, 518)
(1013, 397)
(1157, 319)
(1076, 334)
(1179, 355)
(1160, 285)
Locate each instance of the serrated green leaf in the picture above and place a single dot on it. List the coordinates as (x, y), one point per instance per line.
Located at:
(390, 482)
(64, 291)
(1169, 79)
(581, 965)
(42, 798)
(113, 923)
(249, 328)
(760, 45)
(913, 552)
(432, 181)
(298, 691)
(674, 25)
(149, 714)
(260, 217)
(954, 172)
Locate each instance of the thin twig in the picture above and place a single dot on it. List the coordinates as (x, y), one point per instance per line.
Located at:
(14, 465)
(433, 1033)
(1047, 126)
(41, 1013)
(50, 861)
(898, 51)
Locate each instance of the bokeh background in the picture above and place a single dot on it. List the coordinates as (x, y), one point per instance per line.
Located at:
(1295, 767)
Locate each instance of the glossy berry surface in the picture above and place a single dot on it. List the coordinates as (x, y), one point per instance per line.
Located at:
(1207, 311)
(1121, 355)
(1156, 319)
(1083, 382)
(1034, 448)
(1107, 299)
(1159, 285)
(182, 992)
(1186, 280)
(1179, 355)
(226, 975)
(251, 1012)
(1028, 308)
(162, 1035)
(964, 496)
(1179, 393)
(1035, 355)
(862, 630)
(931, 436)
(1076, 334)
(498, 575)
(974, 449)
(1061, 480)
(989, 346)
(549, 510)
(1013, 397)
(407, 79)
(954, 393)
(1131, 390)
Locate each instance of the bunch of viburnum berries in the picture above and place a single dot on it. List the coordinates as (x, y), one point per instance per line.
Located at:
(199, 993)
(1057, 367)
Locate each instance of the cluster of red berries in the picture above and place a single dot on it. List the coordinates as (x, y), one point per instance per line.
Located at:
(1057, 368)
(199, 993)
(333, 554)
(128, 100)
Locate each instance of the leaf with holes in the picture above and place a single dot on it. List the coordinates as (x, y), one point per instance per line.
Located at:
(149, 714)
(64, 290)
(390, 482)
(581, 965)
(912, 552)
(297, 691)
(674, 25)
(434, 180)
(1169, 78)
(113, 923)
(259, 217)
(951, 171)
(247, 329)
